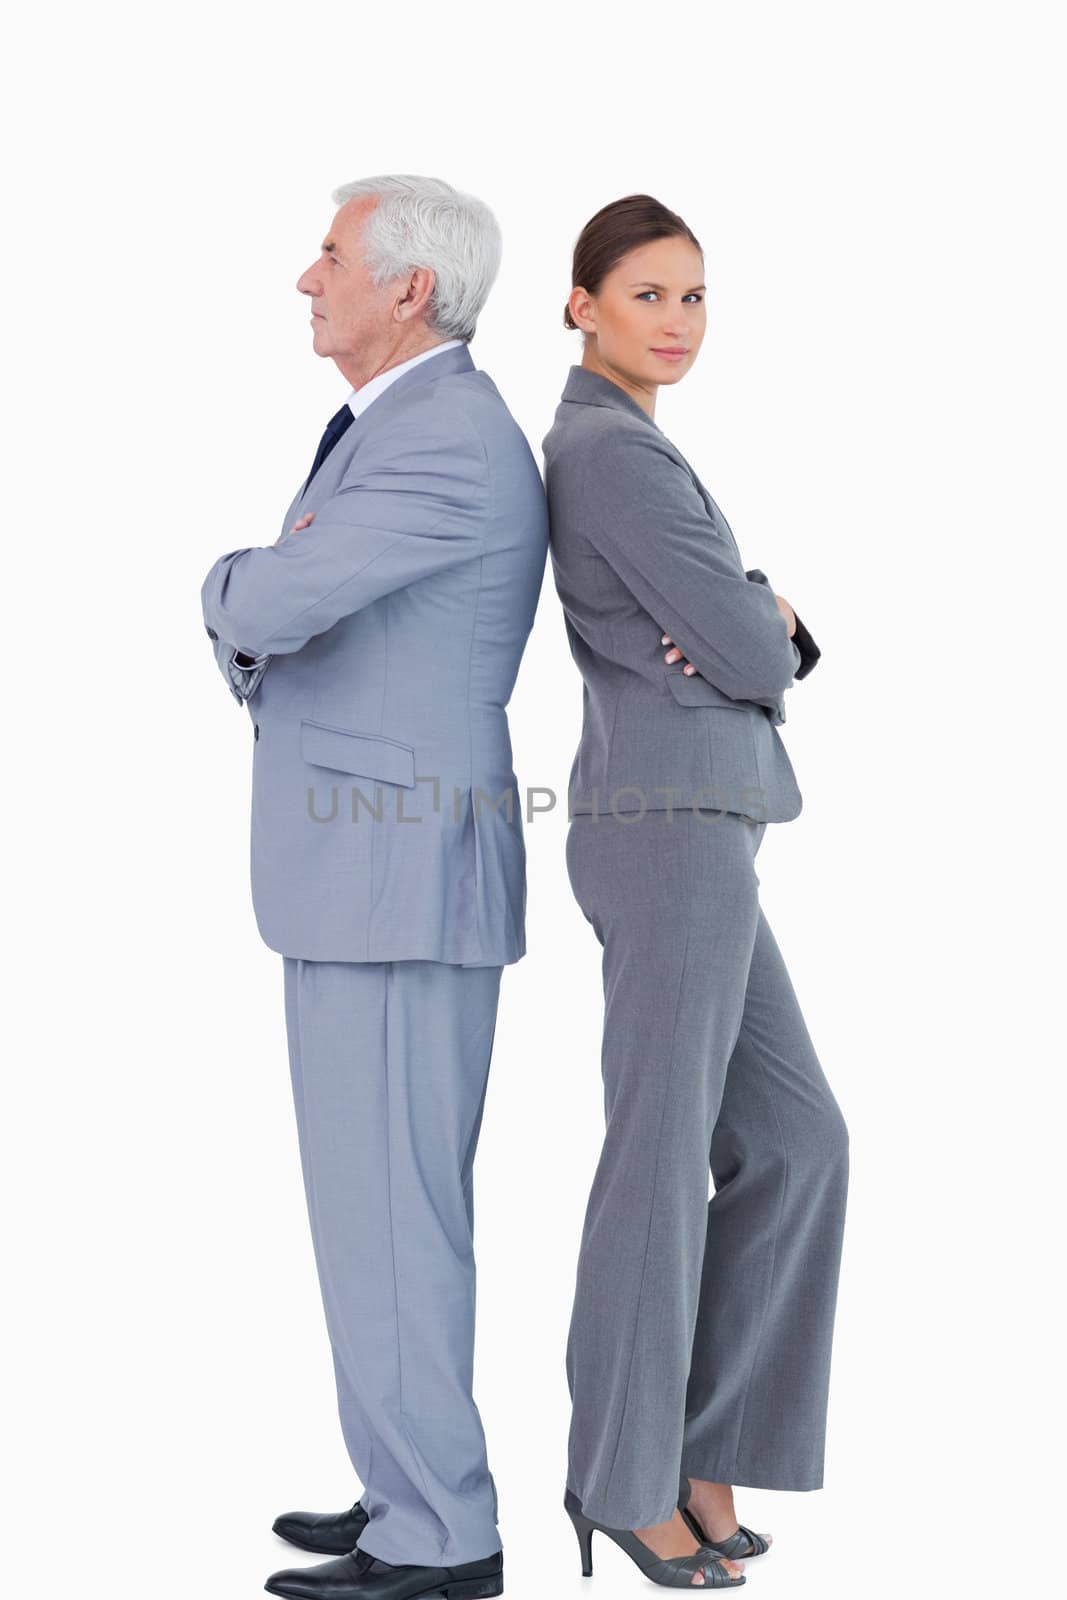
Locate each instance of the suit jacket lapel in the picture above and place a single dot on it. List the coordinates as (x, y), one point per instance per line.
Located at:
(713, 511)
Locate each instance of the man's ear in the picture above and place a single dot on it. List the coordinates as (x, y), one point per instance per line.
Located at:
(417, 294)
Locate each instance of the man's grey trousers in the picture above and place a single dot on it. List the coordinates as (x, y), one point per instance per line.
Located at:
(390, 1062)
(701, 1332)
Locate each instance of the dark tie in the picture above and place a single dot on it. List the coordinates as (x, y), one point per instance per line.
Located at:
(334, 429)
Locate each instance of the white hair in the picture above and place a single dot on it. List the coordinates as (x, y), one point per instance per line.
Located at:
(424, 222)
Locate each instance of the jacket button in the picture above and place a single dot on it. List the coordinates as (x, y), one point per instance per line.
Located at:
(212, 635)
(257, 730)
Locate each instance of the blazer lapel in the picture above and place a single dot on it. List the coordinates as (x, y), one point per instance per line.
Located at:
(713, 512)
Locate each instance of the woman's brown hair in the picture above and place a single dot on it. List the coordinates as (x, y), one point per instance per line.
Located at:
(613, 232)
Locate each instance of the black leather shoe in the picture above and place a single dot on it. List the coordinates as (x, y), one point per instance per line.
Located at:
(334, 1533)
(361, 1576)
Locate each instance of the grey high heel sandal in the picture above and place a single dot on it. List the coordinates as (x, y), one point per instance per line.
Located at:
(676, 1572)
(733, 1547)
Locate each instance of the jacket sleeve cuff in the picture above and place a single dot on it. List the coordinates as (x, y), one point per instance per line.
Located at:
(809, 650)
(245, 672)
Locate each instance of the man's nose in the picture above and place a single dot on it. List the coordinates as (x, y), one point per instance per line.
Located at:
(307, 283)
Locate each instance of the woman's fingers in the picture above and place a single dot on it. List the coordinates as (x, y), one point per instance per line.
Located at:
(676, 655)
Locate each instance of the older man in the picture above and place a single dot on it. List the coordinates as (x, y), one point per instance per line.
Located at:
(376, 644)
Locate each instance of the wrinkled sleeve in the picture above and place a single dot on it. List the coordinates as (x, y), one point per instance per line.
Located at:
(645, 516)
(409, 506)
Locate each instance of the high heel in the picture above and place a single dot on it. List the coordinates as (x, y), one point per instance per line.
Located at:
(584, 1529)
(675, 1572)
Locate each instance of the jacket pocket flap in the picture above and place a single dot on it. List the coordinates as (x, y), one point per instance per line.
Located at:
(697, 691)
(366, 755)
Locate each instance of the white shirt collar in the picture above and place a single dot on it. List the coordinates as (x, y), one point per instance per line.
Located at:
(360, 399)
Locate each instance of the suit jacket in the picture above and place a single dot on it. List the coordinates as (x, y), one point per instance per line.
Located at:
(386, 822)
(639, 548)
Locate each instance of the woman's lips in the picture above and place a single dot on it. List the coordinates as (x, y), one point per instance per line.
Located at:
(671, 355)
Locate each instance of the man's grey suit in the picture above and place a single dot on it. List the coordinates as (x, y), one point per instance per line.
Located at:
(395, 624)
(700, 1335)
(376, 650)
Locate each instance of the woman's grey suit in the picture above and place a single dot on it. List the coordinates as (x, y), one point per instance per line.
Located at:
(701, 1332)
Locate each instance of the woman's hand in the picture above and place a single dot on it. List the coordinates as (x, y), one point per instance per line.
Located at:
(788, 613)
(676, 655)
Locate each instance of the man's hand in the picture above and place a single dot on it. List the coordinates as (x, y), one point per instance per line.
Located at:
(676, 655)
(302, 522)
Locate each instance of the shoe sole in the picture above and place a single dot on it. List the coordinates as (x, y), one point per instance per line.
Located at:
(468, 1589)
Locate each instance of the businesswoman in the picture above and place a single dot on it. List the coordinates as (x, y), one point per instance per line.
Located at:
(699, 1348)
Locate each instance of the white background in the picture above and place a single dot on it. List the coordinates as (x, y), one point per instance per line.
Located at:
(878, 409)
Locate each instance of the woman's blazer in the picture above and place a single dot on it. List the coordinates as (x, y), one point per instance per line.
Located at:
(639, 549)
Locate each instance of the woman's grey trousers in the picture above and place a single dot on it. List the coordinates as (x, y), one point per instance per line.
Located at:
(701, 1332)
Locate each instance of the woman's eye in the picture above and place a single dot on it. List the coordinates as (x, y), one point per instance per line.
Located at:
(645, 293)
